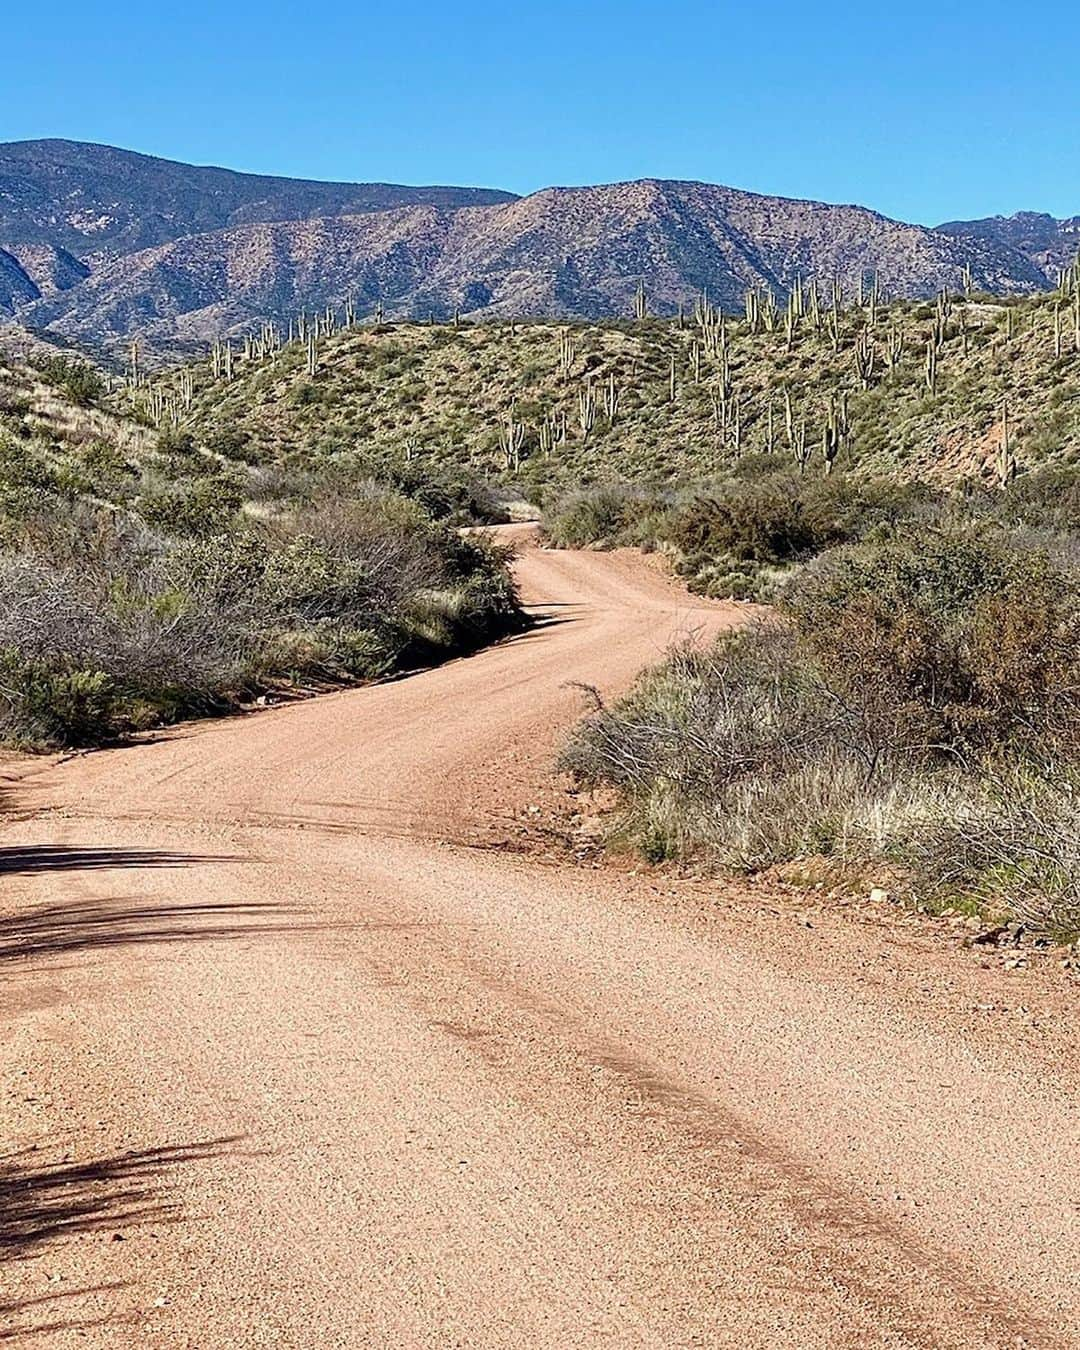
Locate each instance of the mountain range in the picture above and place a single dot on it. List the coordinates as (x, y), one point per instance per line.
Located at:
(99, 244)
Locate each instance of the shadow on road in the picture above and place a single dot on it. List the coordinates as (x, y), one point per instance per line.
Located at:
(43, 1203)
(57, 857)
(55, 930)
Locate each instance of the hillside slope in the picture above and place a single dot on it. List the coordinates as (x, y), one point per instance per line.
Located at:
(99, 202)
(575, 252)
(513, 400)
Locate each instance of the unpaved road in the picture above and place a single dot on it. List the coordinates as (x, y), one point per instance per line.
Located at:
(290, 1059)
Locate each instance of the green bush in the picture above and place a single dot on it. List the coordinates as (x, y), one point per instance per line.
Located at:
(198, 506)
(599, 515)
(108, 627)
(947, 642)
(79, 380)
(919, 708)
(56, 705)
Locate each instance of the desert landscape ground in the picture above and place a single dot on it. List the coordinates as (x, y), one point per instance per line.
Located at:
(539, 677)
(317, 1034)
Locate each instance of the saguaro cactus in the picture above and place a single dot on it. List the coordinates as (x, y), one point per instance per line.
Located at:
(865, 357)
(567, 352)
(586, 410)
(512, 439)
(894, 346)
(835, 433)
(611, 399)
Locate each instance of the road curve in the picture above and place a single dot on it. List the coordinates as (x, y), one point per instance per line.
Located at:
(299, 1050)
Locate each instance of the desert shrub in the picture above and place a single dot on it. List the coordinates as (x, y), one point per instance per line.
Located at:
(79, 380)
(600, 515)
(175, 441)
(1009, 845)
(737, 749)
(1047, 498)
(917, 705)
(44, 703)
(733, 537)
(107, 626)
(197, 506)
(232, 443)
(947, 642)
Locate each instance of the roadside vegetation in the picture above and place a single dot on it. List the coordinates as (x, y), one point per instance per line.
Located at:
(911, 704)
(142, 580)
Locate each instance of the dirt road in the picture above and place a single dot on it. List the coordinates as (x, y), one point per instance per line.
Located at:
(297, 1053)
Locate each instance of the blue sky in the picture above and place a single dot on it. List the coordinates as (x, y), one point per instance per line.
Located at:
(924, 111)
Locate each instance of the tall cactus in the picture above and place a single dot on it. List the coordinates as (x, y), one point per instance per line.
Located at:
(586, 410)
(836, 430)
(865, 357)
(894, 346)
(512, 439)
(611, 399)
(567, 352)
(752, 303)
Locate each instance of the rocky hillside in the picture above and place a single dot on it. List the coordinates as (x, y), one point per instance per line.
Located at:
(97, 202)
(100, 245)
(1050, 245)
(909, 391)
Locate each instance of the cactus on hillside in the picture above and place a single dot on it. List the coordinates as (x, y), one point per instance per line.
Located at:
(894, 346)
(567, 352)
(836, 430)
(512, 439)
(611, 399)
(586, 410)
(865, 357)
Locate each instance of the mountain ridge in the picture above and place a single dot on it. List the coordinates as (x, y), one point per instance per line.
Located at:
(179, 253)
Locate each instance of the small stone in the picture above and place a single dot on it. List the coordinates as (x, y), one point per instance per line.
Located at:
(879, 896)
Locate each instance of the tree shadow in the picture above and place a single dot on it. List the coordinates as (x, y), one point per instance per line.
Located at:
(24, 861)
(43, 1203)
(63, 929)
